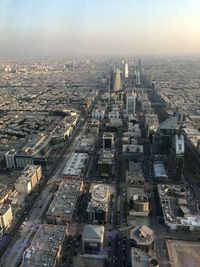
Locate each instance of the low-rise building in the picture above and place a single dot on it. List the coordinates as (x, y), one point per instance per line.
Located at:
(106, 163)
(75, 166)
(134, 174)
(98, 113)
(94, 126)
(62, 207)
(10, 159)
(108, 140)
(152, 122)
(36, 150)
(140, 258)
(114, 114)
(97, 209)
(93, 240)
(4, 193)
(134, 150)
(45, 248)
(6, 216)
(160, 173)
(142, 237)
(179, 212)
(85, 145)
(140, 205)
(30, 176)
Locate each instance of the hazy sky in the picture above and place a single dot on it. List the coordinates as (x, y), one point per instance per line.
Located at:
(102, 27)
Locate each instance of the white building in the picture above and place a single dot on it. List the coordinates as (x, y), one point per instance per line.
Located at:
(126, 69)
(5, 216)
(98, 114)
(114, 114)
(75, 166)
(118, 82)
(29, 178)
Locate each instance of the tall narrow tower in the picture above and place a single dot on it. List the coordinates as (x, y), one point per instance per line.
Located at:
(118, 82)
(126, 69)
(177, 156)
(137, 77)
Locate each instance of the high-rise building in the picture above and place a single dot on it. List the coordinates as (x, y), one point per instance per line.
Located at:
(118, 82)
(130, 104)
(126, 69)
(139, 64)
(111, 79)
(177, 157)
(137, 77)
(108, 140)
(164, 136)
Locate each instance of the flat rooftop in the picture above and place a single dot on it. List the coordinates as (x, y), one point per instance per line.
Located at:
(132, 149)
(178, 209)
(4, 208)
(108, 135)
(93, 231)
(139, 258)
(99, 197)
(75, 165)
(65, 198)
(44, 247)
(183, 253)
(142, 235)
(159, 170)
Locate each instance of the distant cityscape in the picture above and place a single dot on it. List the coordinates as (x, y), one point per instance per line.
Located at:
(100, 162)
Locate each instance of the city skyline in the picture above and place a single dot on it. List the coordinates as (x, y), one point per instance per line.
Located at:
(79, 28)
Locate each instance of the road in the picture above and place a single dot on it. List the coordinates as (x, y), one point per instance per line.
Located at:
(13, 256)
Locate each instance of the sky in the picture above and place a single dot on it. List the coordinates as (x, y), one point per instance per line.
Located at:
(99, 27)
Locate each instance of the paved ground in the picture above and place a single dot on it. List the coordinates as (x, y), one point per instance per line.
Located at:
(85, 262)
(183, 253)
(13, 256)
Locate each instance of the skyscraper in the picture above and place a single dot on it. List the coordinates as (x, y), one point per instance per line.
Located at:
(111, 79)
(177, 157)
(118, 82)
(130, 104)
(126, 69)
(137, 77)
(139, 64)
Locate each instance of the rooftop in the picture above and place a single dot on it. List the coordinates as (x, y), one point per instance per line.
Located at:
(106, 157)
(142, 235)
(93, 231)
(159, 170)
(99, 197)
(108, 135)
(75, 165)
(139, 258)
(4, 208)
(65, 198)
(182, 212)
(44, 247)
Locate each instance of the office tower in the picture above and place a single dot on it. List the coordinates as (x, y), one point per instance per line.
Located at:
(130, 105)
(112, 80)
(177, 156)
(137, 77)
(108, 140)
(126, 69)
(118, 82)
(164, 136)
(139, 64)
